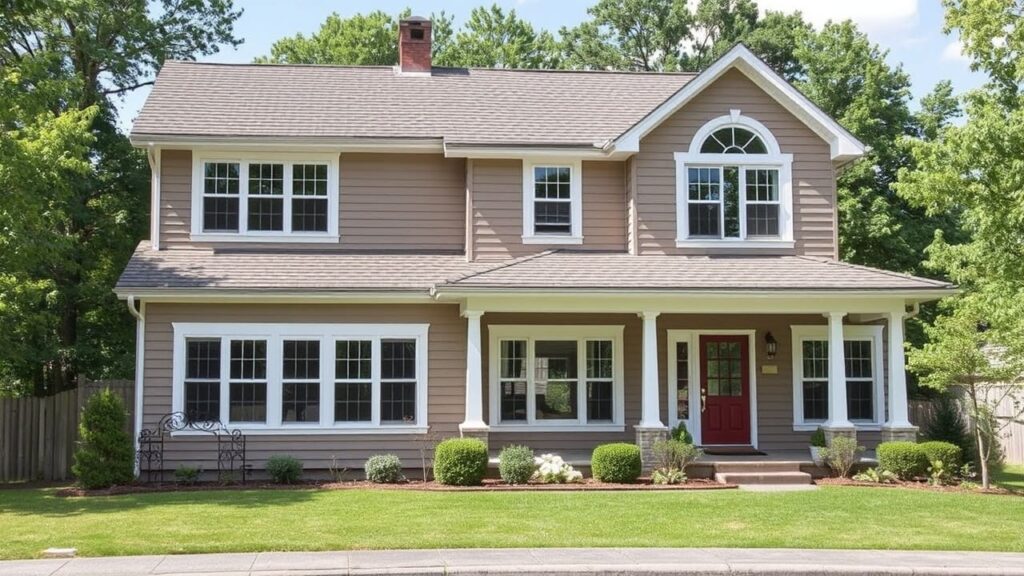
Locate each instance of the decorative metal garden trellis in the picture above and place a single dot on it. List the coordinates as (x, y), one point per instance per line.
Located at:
(230, 445)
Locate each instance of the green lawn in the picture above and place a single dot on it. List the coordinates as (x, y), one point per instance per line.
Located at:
(221, 521)
(1010, 477)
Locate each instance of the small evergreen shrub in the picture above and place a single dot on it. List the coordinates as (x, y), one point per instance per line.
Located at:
(904, 459)
(947, 425)
(516, 464)
(460, 462)
(384, 469)
(949, 454)
(681, 433)
(187, 475)
(618, 462)
(842, 455)
(284, 469)
(105, 456)
(818, 439)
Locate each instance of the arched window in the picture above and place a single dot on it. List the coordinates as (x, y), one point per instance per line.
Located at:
(733, 140)
(734, 185)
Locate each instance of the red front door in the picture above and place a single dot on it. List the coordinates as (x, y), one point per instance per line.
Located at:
(724, 390)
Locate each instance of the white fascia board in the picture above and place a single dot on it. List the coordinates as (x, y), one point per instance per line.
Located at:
(207, 295)
(500, 152)
(300, 144)
(843, 145)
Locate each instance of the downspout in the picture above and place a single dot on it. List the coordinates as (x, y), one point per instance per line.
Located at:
(140, 354)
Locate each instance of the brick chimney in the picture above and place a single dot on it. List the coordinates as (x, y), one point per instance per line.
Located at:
(414, 45)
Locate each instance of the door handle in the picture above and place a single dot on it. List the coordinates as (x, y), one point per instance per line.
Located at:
(703, 401)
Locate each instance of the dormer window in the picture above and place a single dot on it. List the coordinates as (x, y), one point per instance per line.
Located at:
(262, 197)
(552, 202)
(734, 187)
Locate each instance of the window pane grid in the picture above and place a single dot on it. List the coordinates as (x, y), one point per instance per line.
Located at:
(248, 402)
(552, 208)
(512, 382)
(599, 380)
(860, 382)
(682, 380)
(220, 202)
(398, 385)
(202, 379)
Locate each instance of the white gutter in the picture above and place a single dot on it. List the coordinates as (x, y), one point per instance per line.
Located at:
(416, 296)
(463, 292)
(140, 357)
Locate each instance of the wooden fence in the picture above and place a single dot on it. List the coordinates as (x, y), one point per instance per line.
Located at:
(37, 435)
(1011, 439)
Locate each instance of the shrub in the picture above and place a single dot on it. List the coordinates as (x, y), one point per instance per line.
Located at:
(939, 473)
(681, 433)
(187, 475)
(904, 459)
(383, 469)
(618, 462)
(674, 454)
(668, 476)
(949, 454)
(842, 455)
(105, 454)
(818, 439)
(551, 469)
(875, 475)
(947, 424)
(515, 464)
(284, 469)
(460, 462)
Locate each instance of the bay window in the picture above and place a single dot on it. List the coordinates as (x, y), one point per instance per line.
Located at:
(862, 351)
(563, 377)
(734, 187)
(265, 197)
(281, 377)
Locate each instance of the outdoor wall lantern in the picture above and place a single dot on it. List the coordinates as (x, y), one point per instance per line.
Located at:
(770, 345)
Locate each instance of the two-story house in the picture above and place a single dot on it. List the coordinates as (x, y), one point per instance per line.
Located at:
(344, 258)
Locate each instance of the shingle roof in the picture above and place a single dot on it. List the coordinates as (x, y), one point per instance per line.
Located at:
(597, 270)
(313, 271)
(467, 106)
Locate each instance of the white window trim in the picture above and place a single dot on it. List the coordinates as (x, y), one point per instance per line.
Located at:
(200, 157)
(692, 338)
(575, 197)
(275, 334)
(774, 159)
(531, 333)
(864, 332)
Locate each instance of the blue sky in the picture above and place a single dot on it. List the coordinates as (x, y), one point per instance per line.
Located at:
(910, 29)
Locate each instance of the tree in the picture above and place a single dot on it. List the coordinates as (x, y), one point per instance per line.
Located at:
(492, 38)
(74, 225)
(985, 359)
(363, 39)
(104, 456)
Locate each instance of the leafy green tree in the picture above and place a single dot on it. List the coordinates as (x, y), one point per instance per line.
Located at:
(74, 191)
(104, 454)
(363, 39)
(493, 38)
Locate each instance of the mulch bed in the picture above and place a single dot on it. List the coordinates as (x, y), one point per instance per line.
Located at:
(489, 485)
(910, 485)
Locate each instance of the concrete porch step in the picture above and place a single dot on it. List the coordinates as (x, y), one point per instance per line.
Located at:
(762, 478)
(764, 466)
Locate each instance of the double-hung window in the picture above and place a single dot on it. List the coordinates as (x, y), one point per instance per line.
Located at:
(734, 188)
(267, 377)
(862, 353)
(256, 197)
(564, 377)
(552, 202)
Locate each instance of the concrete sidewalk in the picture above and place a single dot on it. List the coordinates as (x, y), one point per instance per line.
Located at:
(525, 562)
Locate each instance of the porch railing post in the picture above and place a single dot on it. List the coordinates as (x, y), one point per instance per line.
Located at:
(474, 425)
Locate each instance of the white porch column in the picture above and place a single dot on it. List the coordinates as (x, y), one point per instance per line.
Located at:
(650, 429)
(838, 423)
(650, 416)
(474, 424)
(897, 426)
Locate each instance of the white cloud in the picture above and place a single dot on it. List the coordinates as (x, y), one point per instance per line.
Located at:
(876, 17)
(954, 52)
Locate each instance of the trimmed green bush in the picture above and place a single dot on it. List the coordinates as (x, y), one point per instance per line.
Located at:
(951, 455)
(105, 454)
(383, 469)
(284, 469)
(460, 462)
(904, 459)
(681, 433)
(619, 462)
(818, 439)
(516, 464)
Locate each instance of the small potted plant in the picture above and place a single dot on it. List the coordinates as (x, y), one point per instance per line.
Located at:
(817, 445)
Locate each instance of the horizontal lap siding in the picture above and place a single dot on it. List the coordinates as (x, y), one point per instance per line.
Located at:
(497, 209)
(446, 390)
(387, 202)
(814, 218)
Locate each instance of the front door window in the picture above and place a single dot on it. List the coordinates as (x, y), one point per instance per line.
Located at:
(725, 384)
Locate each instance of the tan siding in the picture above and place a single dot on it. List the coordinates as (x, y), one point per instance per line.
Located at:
(388, 202)
(446, 391)
(814, 222)
(497, 206)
